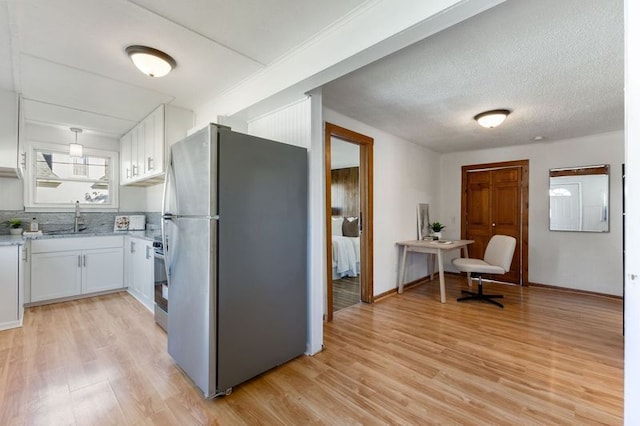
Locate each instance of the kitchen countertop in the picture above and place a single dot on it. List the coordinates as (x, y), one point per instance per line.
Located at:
(10, 240)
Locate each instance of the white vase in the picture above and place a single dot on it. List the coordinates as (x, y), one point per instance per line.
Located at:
(15, 231)
(437, 235)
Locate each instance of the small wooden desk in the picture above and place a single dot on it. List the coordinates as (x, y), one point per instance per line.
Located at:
(431, 247)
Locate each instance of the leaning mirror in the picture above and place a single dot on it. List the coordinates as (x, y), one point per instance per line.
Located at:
(423, 220)
(579, 199)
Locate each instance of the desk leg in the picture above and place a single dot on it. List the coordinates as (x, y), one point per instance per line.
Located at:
(465, 250)
(432, 264)
(443, 296)
(402, 267)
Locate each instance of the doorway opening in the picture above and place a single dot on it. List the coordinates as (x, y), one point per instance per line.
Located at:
(349, 217)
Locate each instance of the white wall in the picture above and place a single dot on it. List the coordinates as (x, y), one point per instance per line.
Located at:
(404, 174)
(290, 124)
(585, 261)
(632, 181)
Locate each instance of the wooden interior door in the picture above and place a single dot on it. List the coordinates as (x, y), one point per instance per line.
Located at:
(495, 202)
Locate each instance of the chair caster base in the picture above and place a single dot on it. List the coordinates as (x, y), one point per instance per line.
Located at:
(481, 296)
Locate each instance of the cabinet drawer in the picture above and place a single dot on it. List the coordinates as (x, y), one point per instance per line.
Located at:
(82, 243)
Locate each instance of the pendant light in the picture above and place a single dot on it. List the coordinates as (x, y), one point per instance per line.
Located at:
(152, 62)
(491, 119)
(75, 149)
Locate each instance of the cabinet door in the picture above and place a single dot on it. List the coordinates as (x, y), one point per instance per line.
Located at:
(142, 272)
(137, 145)
(9, 281)
(55, 275)
(125, 159)
(102, 269)
(149, 148)
(146, 275)
(158, 140)
(128, 262)
(136, 253)
(154, 142)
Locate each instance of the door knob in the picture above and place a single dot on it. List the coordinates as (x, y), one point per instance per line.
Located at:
(493, 224)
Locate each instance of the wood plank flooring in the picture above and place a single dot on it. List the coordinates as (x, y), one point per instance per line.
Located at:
(346, 292)
(548, 358)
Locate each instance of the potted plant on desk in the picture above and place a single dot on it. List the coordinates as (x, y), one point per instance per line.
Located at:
(436, 228)
(15, 226)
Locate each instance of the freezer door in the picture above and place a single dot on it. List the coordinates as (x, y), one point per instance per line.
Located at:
(191, 324)
(262, 263)
(193, 161)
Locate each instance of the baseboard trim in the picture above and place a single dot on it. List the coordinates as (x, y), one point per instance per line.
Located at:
(573, 290)
(76, 297)
(407, 286)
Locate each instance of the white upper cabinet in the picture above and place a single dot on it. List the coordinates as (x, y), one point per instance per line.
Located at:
(12, 156)
(143, 149)
(125, 158)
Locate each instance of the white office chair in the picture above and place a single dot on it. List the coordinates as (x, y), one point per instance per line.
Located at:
(497, 260)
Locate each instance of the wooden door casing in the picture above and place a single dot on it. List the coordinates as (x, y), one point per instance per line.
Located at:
(366, 210)
(495, 202)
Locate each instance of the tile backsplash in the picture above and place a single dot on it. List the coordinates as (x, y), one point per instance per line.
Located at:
(62, 222)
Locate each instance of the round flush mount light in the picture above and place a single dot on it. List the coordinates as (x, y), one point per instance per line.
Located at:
(152, 62)
(491, 119)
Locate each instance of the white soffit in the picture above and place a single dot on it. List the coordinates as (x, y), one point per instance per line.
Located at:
(51, 115)
(558, 65)
(83, 91)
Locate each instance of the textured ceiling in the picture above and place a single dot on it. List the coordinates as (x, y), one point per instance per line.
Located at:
(558, 65)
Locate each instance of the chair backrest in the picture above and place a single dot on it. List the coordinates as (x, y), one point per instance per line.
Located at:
(500, 251)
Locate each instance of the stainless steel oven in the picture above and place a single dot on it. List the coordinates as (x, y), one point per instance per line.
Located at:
(161, 308)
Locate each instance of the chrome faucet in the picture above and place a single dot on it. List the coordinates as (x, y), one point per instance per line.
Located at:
(77, 220)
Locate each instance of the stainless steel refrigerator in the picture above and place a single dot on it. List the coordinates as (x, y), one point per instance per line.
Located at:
(235, 235)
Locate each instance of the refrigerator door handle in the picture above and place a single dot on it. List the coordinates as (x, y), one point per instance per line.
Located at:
(168, 183)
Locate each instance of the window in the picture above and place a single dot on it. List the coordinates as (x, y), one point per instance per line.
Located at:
(59, 180)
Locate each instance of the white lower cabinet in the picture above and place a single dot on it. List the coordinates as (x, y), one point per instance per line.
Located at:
(10, 287)
(102, 270)
(139, 270)
(55, 275)
(68, 267)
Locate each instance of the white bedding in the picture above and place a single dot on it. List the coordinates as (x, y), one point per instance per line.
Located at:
(346, 256)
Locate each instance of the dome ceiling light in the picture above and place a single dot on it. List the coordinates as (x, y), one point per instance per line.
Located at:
(152, 62)
(491, 119)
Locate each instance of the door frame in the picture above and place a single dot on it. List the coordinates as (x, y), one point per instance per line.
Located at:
(366, 208)
(524, 212)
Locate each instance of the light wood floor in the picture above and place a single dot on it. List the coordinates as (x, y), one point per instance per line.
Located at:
(547, 358)
(346, 292)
